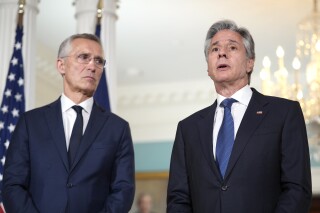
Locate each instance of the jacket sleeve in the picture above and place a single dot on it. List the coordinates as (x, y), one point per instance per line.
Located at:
(16, 178)
(295, 164)
(178, 197)
(122, 189)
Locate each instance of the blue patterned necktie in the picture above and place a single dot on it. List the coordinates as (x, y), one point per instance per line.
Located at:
(225, 138)
(76, 134)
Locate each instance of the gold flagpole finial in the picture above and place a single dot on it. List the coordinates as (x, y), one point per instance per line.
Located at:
(21, 3)
(21, 6)
(99, 10)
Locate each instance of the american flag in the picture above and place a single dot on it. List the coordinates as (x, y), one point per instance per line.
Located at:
(13, 101)
(101, 95)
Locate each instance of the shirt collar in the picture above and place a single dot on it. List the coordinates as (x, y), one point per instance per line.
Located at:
(243, 96)
(67, 103)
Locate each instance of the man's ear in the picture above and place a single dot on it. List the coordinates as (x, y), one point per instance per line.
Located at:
(250, 64)
(61, 66)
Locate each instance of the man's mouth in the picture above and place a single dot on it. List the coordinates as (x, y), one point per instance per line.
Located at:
(90, 77)
(222, 66)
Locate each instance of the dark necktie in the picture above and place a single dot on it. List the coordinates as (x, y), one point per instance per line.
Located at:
(75, 135)
(225, 138)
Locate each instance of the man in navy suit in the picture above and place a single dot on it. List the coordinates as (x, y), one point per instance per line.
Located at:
(48, 169)
(247, 153)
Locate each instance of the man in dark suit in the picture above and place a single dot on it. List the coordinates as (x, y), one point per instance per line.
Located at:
(71, 156)
(247, 153)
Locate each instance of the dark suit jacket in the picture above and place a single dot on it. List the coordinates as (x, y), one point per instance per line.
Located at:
(37, 177)
(268, 170)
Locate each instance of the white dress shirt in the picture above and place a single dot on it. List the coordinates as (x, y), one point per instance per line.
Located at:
(238, 109)
(69, 115)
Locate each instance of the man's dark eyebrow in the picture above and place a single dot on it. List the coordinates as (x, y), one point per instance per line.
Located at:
(83, 52)
(230, 40)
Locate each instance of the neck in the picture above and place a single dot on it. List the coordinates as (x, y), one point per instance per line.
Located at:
(228, 90)
(77, 98)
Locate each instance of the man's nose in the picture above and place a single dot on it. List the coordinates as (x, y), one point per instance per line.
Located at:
(91, 65)
(222, 52)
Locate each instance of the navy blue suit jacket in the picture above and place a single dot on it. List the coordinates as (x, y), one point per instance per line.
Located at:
(268, 170)
(37, 177)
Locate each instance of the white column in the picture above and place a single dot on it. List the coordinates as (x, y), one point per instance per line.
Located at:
(29, 50)
(108, 36)
(85, 15)
(8, 23)
(86, 20)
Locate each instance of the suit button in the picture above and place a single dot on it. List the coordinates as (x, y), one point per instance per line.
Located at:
(69, 185)
(224, 188)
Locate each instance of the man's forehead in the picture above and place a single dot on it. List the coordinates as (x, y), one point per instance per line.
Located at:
(83, 42)
(216, 42)
(226, 36)
(86, 46)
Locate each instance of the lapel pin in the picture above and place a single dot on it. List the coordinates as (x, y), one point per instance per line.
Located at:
(259, 112)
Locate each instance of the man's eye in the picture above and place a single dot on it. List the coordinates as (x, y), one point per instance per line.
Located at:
(233, 48)
(99, 61)
(215, 49)
(84, 56)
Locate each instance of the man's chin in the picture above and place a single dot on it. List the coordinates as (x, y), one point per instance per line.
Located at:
(88, 92)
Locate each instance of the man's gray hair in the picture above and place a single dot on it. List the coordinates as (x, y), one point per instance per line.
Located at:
(65, 46)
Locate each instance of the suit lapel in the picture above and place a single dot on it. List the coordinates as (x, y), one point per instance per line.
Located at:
(55, 123)
(205, 126)
(252, 118)
(97, 119)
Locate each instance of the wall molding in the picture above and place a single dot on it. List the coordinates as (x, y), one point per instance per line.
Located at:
(152, 175)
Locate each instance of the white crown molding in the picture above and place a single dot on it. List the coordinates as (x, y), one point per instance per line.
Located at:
(161, 94)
